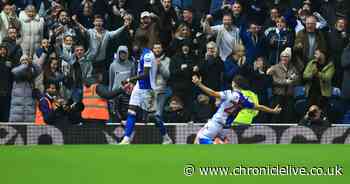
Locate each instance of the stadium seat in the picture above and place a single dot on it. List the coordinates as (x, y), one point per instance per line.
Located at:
(346, 118)
(299, 92)
(300, 106)
(336, 92)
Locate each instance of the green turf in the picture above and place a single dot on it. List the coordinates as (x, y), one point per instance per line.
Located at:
(99, 164)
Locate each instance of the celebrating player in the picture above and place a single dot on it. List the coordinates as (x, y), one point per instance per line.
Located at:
(142, 95)
(232, 101)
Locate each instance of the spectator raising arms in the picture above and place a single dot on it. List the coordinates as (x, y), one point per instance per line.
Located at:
(227, 34)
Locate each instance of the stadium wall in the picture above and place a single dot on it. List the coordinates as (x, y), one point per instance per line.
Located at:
(181, 133)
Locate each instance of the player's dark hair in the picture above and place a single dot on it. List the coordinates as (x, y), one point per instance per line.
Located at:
(241, 82)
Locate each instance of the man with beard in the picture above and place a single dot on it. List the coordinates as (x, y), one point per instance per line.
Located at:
(5, 83)
(65, 49)
(14, 50)
(168, 18)
(149, 27)
(162, 90)
(61, 28)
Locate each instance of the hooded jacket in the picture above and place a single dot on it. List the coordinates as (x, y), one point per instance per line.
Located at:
(32, 32)
(120, 70)
(22, 102)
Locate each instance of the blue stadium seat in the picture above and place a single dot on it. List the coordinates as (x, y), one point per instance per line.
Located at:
(336, 92)
(299, 92)
(346, 118)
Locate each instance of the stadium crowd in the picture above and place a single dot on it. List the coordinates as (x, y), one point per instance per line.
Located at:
(293, 53)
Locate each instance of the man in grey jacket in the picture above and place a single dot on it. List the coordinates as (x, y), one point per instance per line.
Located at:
(98, 39)
(162, 90)
(120, 69)
(76, 71)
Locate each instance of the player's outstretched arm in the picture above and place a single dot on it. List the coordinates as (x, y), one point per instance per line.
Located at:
(263, 108)
(198, 82)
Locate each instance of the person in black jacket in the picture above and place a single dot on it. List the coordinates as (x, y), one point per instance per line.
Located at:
(338, 38)
(5, 83)
(14, 49)
(211, 68)
(181, 68)
(168, 18)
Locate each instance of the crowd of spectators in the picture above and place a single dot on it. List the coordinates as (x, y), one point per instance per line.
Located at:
(294, 53)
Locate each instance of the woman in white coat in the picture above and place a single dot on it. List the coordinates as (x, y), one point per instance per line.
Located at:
(32, 30)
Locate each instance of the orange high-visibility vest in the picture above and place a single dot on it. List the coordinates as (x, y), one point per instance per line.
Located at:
(39, 118)
(96, 108)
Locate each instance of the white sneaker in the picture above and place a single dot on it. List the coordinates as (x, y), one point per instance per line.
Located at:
(125, 141)
(167, 140)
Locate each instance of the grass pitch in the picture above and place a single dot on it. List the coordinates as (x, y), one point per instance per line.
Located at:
(150, 164)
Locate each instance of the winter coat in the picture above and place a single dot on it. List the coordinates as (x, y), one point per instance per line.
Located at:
(212, 72)
(22, 101)
(302, 53)
(325, 77)
(253, 50)
(277, 42)
(280, 74)
(32, 32)
(181, 79)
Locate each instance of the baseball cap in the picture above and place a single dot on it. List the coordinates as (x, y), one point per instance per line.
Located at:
(145, 14)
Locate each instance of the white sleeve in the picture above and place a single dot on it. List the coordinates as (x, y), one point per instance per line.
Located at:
(148, 60)
(225, 94)
(235, 96)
